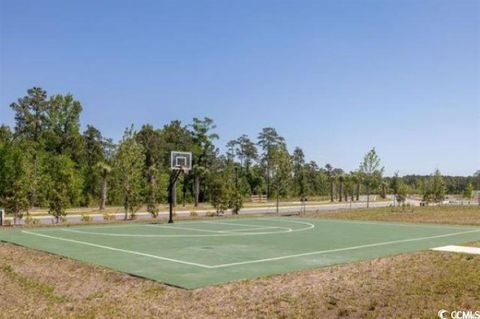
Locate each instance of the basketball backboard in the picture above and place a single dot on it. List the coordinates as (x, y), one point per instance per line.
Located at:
(181, 160)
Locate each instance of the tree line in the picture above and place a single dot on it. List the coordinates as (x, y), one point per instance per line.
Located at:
(46, 161)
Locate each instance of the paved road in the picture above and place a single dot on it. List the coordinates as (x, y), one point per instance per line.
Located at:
(245, 211)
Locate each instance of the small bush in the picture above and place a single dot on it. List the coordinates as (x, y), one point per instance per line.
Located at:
(29, 220)
(193, 214)
(86, 218)
(108, 217)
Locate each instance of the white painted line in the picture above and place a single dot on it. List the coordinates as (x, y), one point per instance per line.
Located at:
(256, 260)
(342, 249)
(182, 228)
(219, 234)
(117, 249)
(245, 225)
(253, 229)
(459, 249)
(381, 223)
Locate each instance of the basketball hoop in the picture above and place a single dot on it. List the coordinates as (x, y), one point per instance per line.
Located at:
(180, 162)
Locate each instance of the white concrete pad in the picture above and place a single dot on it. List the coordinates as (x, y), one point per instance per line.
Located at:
(459, 249)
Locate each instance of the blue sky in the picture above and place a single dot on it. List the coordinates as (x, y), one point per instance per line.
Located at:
(333, 77)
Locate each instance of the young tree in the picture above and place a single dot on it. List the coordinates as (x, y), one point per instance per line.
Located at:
(401, 194)
(281, 166)
(220, 197)
(468, 191)
(371, 171)
(129, 162)
(383, 189)
(223, 189)
(62, 183)
(15, 169)
(438, 186)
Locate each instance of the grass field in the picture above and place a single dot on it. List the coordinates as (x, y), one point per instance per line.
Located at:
(193, 254)
(455, 215)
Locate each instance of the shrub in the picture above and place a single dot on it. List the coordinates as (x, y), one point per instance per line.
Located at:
(29, 220)
(86, 218)
(108, 217)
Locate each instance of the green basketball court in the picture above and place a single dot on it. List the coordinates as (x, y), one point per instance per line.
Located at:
(193, 254)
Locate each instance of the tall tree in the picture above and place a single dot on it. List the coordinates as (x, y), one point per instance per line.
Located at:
(204, 151)
(269, 140)
(349, 185)
(6, 134)
(331, 180)
(300, 182)
(30, 125)
(150, 140)
(63, 126)
(372, 172)
(395, 184)
(357, 179)
(103, 170)
(175, 137)
(340, 181)
(93, 155)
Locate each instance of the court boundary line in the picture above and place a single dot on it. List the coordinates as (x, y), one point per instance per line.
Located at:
(224, 233)
(387, 223)
(251, 261)
(252, 227)
(133, 252)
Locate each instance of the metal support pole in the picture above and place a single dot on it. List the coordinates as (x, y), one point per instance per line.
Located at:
(173, 178)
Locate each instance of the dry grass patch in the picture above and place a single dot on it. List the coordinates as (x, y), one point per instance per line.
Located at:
(39, 285)
(461, 215)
